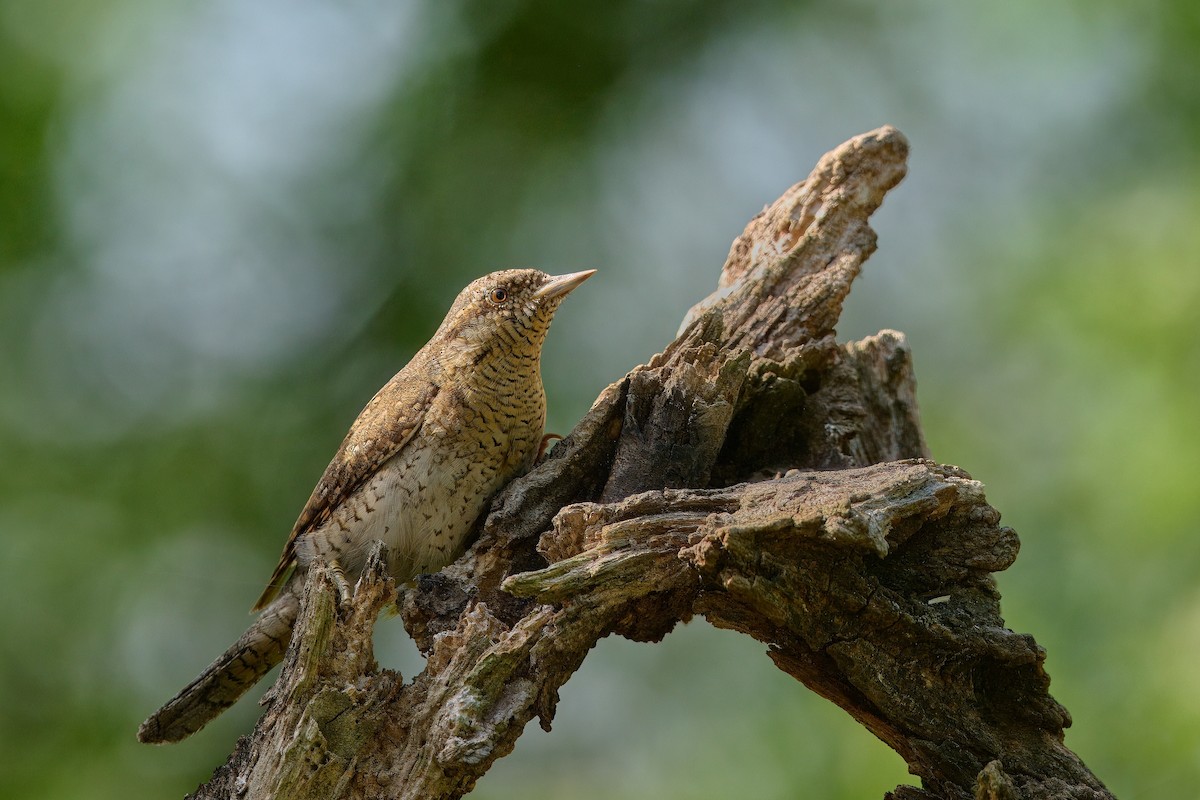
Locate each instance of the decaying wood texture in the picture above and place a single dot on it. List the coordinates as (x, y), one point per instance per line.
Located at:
(756, 473)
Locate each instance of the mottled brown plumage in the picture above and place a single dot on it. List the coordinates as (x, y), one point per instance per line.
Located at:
(416, 470)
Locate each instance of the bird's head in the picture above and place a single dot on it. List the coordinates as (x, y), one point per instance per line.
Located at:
(512, 307)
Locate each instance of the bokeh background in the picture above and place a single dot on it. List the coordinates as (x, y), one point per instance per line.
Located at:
(223, 225)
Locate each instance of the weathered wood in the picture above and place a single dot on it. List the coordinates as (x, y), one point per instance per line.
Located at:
(755, 472)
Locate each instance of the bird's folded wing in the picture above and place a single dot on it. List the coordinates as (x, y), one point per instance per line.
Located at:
(385, 425)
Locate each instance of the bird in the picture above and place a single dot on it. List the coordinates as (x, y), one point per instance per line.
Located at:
(418, 468)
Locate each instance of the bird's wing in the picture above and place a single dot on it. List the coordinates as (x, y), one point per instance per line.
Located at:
(386, 424)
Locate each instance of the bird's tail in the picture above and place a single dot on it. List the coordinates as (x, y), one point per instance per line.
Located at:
(229, 677)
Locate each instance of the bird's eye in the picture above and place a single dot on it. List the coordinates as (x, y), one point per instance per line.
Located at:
(498, 295)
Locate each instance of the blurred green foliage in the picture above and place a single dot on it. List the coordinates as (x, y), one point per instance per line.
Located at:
(223, 226)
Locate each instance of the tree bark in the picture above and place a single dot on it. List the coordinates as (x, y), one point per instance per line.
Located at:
(756, 473)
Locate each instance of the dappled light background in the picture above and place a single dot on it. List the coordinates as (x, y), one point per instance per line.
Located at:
(224, 225)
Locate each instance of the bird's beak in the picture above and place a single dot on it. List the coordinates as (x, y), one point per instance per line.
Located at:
(559, 285)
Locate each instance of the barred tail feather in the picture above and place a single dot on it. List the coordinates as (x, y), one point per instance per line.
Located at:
(229, 677)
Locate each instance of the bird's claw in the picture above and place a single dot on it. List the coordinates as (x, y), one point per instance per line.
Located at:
(546, 440)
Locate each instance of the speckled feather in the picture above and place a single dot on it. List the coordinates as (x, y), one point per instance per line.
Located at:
(418, 467)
